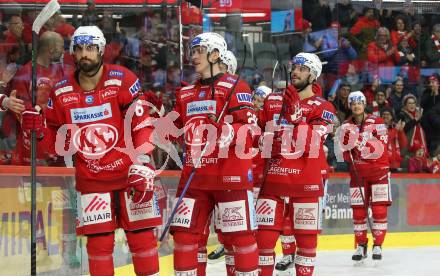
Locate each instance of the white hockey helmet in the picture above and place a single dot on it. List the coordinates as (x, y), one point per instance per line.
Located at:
(231, 62)
(356, 96)
(262, 91)
(88, 35)
(309, 60)
(212, 41)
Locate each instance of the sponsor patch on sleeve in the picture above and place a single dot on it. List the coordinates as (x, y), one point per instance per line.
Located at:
(135, 87)
(327, 115)
(115, 73)
(244, 98)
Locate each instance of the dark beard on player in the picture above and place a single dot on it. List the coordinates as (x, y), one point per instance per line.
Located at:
(300, 85)
(90, 67)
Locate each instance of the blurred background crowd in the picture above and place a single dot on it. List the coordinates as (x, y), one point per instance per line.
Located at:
(389, 50)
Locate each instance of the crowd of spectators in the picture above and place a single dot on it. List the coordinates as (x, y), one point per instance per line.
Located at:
(392, 56)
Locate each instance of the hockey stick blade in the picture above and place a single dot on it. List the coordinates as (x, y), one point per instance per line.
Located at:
(50, 9)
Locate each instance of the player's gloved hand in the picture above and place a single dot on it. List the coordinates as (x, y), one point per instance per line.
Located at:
(32, 119)
(225, 132)
(141, 182)
(293, 112)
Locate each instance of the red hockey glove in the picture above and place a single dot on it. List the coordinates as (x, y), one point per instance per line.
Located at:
(293, 113)
(141, 182)
(32, 119)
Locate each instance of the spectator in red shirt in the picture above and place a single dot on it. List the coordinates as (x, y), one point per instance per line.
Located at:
(418, 163)
(363, 31)
(400, 32)
(435, 166)
(382, 52)
(396, 138)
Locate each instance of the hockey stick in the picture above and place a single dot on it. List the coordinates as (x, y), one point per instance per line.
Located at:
(360, 191)
(273, 72)
(194, 169)
(278, 122)
(41, 19)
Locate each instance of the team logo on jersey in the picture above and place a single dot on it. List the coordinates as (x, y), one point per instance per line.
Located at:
(50, 103)
(91, 114)
(70, 99)
(116, 73)
(201, 107)
(244, 97)
(89, 99)
(135, 87)
(95, 139)
(96, 208)
(327, 115)
(202, 94)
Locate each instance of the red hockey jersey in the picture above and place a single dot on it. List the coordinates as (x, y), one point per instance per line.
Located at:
(100, 132)
(300, 176)
(46, 79)
(320, 115)
(370, 155)
(220, 169)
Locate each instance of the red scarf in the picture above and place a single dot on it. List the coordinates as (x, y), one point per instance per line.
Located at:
(436, 42)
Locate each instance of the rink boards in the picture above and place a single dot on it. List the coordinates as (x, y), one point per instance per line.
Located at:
(413, 219)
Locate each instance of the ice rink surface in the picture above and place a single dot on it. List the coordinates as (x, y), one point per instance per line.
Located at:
(422, 261)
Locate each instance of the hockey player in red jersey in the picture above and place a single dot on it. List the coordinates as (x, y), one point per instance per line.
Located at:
(107, 125)
(221, 177)
(227, 65)
(293, 174)
(48, 71)
(365, 144)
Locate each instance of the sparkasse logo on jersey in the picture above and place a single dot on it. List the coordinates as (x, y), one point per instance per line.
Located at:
(201, 107)
(91, 114)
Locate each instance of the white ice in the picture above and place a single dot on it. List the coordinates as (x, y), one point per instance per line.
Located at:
(423, 261)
